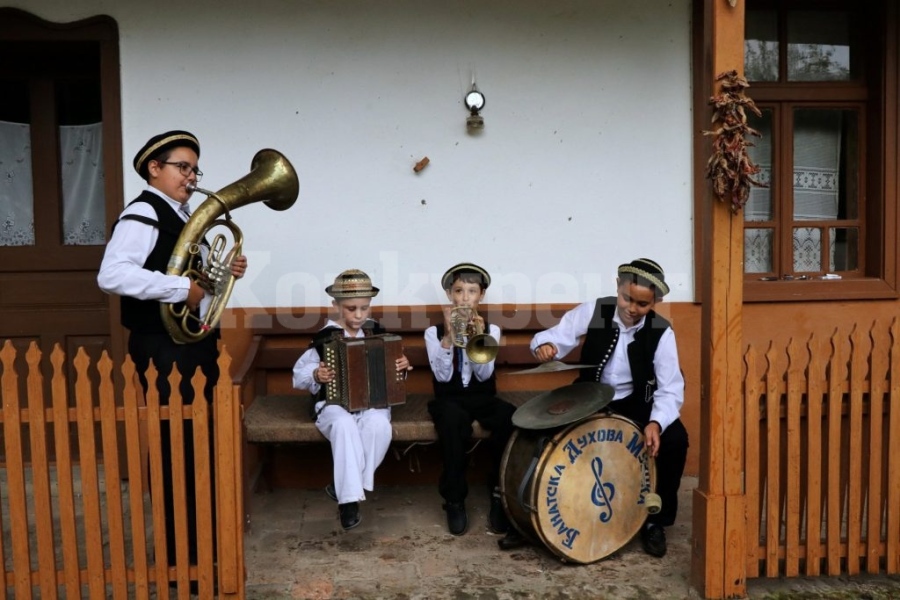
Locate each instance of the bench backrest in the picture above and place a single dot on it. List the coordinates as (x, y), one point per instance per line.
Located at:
(279, 339)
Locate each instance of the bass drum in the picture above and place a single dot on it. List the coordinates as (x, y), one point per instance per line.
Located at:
(584, 490)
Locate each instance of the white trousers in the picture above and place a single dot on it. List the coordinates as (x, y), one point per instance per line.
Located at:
(359, 442)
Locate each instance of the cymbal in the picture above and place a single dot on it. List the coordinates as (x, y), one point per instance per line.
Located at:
(551, 367)
(563, 405)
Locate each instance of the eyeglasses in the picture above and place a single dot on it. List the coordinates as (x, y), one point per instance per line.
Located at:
(185, 169)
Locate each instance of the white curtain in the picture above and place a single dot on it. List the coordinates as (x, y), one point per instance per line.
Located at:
(16, 195)
(84, 214)
(83, 200)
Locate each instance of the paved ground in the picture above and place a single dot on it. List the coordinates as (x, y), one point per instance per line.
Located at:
(296, 549)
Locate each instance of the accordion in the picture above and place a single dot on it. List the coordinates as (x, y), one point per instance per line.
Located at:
(365, 370)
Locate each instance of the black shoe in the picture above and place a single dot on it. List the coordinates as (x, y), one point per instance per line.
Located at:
(497, 517)
(653, 538)
(512, 540)
(349, 515)
(457, 520)
(330, 492)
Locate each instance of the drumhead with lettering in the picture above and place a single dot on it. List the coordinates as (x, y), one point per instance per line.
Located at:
(586, 495)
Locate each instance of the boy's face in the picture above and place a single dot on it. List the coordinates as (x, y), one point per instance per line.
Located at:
(167, 177)
(462, 293)
(353, 312)
(634, 301)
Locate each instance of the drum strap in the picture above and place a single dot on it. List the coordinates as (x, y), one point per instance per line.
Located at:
(529, 473)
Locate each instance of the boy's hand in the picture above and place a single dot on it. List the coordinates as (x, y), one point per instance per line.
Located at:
(651, 437)
(195, 295)
(545, 352)
(403, 364)
(447, 340)
(323, 374)
(239, 266)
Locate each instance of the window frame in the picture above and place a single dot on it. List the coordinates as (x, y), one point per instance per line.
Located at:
(878, 167)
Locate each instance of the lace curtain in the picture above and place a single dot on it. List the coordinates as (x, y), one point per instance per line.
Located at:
(83, 200)
(16, 196)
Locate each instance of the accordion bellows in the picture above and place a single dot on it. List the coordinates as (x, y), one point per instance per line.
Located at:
(366, 374)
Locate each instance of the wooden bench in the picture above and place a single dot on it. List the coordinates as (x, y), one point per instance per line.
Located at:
(275, 413)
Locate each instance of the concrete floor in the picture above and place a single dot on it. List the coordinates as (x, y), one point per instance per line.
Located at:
(297, 549)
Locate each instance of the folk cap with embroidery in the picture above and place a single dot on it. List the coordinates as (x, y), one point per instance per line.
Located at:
(447, 279)
(649, 271)
(161, 143)
(352, 283)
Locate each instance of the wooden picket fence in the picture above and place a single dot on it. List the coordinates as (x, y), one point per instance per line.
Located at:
(822, 455)
(89, 522)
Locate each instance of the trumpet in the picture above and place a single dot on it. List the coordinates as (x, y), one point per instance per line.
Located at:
(467, 331)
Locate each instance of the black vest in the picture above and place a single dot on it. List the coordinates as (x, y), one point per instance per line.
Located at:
(454, 387)
(599, 343)
(142, 316)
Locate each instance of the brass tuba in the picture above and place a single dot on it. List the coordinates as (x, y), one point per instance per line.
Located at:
(468, 333)
(272, 180)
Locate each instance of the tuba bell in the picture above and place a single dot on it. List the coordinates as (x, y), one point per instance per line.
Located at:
(467, 333)
(272, 180)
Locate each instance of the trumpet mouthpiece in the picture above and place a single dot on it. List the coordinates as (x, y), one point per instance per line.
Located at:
(191, 187)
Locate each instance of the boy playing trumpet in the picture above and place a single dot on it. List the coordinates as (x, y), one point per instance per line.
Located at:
(465, 391)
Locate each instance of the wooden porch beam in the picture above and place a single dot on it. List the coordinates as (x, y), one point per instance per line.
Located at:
(718, 561)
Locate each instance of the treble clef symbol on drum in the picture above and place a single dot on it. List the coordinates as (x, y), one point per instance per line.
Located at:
(603, 493)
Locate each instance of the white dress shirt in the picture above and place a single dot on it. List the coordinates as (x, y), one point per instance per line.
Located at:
(122, 271)
(669, 395)
(441, 359)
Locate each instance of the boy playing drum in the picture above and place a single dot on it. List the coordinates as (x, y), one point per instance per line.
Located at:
(636, 353)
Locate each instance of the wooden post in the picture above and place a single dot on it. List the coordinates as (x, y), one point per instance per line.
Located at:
(718, 564)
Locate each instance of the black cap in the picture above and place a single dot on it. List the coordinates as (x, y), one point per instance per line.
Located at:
(649, 271)
(159, 144)
(449, 276)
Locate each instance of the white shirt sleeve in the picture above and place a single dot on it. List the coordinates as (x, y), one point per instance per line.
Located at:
(122, 270)
(303, 371)
(440, 358)
(566, 334)
(669, 395)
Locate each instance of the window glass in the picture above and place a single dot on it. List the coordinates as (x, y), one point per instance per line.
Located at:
(16, 184)
(81, 159)
(807, 249)
(818, 46)
(761, 45)
(759, 204)
(825, 162)
(844, 250)
(758, 251)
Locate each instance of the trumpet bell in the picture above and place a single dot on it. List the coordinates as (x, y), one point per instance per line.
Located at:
(482, 349)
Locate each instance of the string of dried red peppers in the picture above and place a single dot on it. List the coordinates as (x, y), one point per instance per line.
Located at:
(730, 168)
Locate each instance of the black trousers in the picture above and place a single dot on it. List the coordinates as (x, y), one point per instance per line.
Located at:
(188, 357)
(670, 460)
(453, 418)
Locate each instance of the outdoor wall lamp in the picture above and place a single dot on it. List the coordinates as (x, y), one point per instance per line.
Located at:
(474, 101)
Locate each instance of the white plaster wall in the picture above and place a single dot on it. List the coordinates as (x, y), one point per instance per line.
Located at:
(584, 163)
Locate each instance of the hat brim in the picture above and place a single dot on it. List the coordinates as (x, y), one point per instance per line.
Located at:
(369, 293)
(447, 278)
(161, 143)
